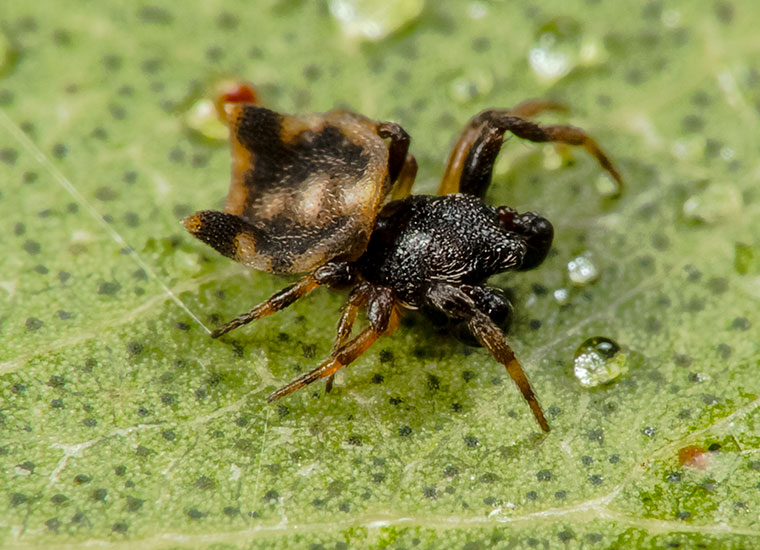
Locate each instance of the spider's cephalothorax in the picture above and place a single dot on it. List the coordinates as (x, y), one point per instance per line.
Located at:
(307, 196)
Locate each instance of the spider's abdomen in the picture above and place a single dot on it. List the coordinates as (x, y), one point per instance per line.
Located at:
(423, 239)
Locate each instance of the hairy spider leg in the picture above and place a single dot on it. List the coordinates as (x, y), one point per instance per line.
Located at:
(473, 129)
(493, 340)
(403, 186)
(402, 166)
(470, 165)
(275, 303)
(356, 300)
(335, 274)
(455, 303)
(345, 355)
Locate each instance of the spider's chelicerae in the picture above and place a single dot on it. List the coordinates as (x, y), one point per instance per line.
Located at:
(329, 195)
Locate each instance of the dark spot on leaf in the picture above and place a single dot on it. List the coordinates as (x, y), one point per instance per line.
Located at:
(109, 288)
(471, 441)
(205, 483)
(81, 479)
(134, 504)
(450, 471)
(155, 14)
(17, 499)
(544, 475)
(741, 323)
(134, 348)
(168, 399)
(59, 150)
(194, 513)
(119, 527)
(143, 451)
(231, 511)
(32, 324)
(53, 524)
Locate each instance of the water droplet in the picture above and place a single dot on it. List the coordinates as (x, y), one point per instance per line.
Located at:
(606, 186)
(548, 62)
(690, 148)
(713, 204)
(200, 114)
(561, 46)
(671, 18)
(598, 361)
(471, 85)
(201, 119)
(582, 270)
(374, 19)
(561, 295)
(477, 10)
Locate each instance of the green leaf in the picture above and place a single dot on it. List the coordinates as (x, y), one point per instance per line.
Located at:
(123, 424)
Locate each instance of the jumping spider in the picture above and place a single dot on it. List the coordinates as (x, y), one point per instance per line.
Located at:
(308, 195)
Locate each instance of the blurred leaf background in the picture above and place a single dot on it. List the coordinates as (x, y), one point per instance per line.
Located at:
(122, 424)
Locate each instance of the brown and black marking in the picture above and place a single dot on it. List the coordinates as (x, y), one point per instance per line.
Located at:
(305, 189)
(307, 196)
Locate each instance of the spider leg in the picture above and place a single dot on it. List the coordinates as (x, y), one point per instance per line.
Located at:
(384, 320)
(403, 186)
(469, 135)
(356, 300)
(334, 274)
(492, 339)
(399, 147)
(532, 107)
(456, 303)
(471, 161)
(275, 303)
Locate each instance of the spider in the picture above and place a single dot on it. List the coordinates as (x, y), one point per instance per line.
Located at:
(329, 195)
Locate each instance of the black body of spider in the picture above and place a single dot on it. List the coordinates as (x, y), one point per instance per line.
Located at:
(308, 195)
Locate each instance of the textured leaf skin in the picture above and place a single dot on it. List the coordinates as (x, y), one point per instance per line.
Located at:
(122, 423)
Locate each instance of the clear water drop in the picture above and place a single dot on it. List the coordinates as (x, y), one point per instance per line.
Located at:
(201, 119)
(561, 295)
(715, 203)
(374, 19)
(598, 361)
(582, 270)
(560, 47)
